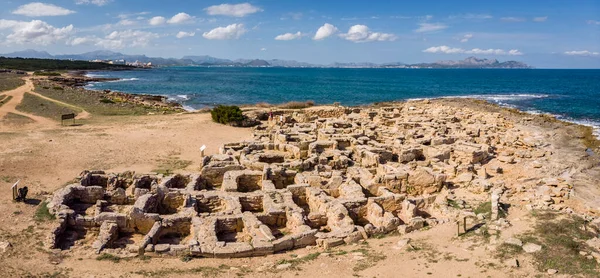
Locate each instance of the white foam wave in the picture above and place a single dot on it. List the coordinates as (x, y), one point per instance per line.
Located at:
(495, 98)
(183, 97)
(124, 80)
(94, 75)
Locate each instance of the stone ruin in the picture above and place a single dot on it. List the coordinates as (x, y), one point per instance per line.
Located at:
(325, 177)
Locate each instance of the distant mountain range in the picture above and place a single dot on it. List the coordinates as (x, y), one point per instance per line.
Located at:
(205, 60)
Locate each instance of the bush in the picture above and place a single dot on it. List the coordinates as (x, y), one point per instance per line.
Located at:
(106, 100)
(227, 114)
(58, 88)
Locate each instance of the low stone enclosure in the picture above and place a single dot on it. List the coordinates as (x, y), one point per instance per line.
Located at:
(325, 177)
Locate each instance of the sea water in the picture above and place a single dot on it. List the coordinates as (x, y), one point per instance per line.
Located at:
(572, 95)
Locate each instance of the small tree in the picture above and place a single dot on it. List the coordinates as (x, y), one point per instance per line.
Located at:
(224, 114)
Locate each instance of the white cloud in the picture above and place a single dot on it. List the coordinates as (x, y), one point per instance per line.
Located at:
(118, 39)
(582, 53)
(430, 27)
(41, 9)
(180, 18)
(361, 33)
(325, 31)
(233, 31)
(466, 37)
(126, 22)
(450, 50)
(512, 19)
(34, 32)
(289, 36)
(263, 49)
(593, 22)
(183, 34)
(540, 18)
(157, 20)
(93, 2)
(237, 10)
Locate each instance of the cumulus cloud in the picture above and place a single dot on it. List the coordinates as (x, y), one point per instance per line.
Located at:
(263, 49)
(183, 34)
(512, 19)
(237, 10)
(289, 36)
(93, 2)
(325, 31)
(41, 9)
(430, 27)
(361, 33)
(157, 20)
(35, 32)
(233, 31)
(180, 18)
(452, 50)
(540, 18)
(466, 37)
(593, 22)
(117, 39)
(582, 53)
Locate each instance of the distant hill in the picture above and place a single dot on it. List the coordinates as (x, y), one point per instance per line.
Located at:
(473, 62)
(205, 60)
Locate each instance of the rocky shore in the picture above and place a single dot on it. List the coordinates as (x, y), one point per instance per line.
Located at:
(329, 176)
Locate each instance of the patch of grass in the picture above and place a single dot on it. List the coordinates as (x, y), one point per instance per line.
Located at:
(42, 213)
(205, 271)
(298, 261)
(186, 258)
(370, 260)
(41, 107)
(109, 257)
(106, 100)
(91, 101)
(562, 238)
(506, 251)
(297, 105)
(454, 204)
(17, 120)
(170, 164)
(10, 81)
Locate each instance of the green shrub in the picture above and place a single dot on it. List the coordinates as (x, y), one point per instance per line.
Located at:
(227, 114)
(106, 100)
(58, 88)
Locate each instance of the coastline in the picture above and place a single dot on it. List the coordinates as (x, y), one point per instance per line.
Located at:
(89, 78)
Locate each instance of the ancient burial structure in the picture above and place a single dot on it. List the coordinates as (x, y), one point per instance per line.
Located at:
(326, 177)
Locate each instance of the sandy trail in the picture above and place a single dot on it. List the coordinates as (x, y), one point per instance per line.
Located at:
(17, 97)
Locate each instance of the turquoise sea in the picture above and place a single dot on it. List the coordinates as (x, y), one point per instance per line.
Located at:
(572, 95)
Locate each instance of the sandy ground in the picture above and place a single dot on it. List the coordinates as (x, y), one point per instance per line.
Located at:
(45, 156)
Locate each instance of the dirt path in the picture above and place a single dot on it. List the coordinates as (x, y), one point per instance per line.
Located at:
(17, 97)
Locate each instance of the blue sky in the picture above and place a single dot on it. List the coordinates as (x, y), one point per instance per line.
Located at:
(545, 34)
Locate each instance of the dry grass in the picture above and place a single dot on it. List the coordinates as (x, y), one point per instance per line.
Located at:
(10, 81)
(41, 107)
(17, 120)
(94, 102)
(297, 105)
